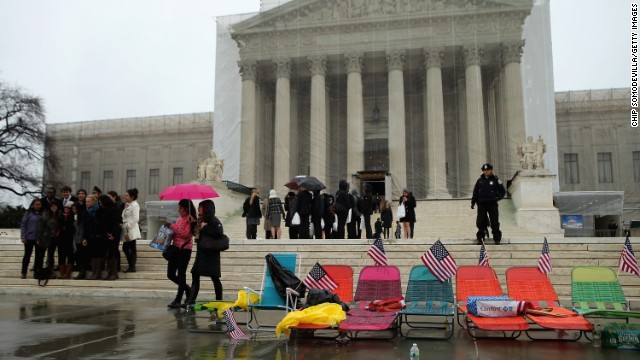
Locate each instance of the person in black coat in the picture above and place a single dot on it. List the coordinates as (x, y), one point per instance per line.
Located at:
(304, 202)
(251, 210)
(409, 218)
(486, 193)
(344, 202)
(366, 204)
(317, 213)
(207, 262)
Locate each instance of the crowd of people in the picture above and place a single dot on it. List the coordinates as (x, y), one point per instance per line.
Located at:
(84, 231)
(318, 214)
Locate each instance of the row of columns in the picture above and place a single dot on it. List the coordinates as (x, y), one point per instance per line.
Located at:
(436, 186)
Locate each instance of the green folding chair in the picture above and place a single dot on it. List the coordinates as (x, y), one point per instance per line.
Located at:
(596, 292)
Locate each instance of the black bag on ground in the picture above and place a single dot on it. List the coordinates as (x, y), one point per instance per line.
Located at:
(321, 296)
(283, 278)
(43, 275)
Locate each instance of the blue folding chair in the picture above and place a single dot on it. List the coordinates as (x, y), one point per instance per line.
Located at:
(269, 298)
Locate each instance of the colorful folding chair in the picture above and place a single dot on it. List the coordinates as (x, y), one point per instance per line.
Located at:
(342, 275)
(596, 292)
(428, 301)
(531, 285)
(270, 300)
(374, 283)
(482, 281)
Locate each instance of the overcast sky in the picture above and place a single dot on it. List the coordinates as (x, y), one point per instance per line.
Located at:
(105, 59)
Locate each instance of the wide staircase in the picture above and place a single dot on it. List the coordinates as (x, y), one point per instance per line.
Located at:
(451, 221)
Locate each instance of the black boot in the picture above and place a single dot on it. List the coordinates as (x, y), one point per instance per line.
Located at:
(82, 274)
(175, 304)
(191, 299)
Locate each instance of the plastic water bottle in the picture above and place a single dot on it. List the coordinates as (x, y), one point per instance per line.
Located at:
(597, 336)
(414, 353)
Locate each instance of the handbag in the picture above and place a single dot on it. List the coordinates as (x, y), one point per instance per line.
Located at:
(211, 244)
(402, 211)
(170, 252)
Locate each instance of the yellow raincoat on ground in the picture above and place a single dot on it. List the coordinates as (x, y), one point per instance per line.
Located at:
(329, 314)
(242, 302)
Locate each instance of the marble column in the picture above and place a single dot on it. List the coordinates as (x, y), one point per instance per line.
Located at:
(476, 135)
(513, 104)
(318, 129)
(355, 114)
(248, 71)
(282, 136)
(397, 137)
(435, 137)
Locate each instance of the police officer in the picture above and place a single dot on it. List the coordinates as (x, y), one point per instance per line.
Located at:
(486, 193)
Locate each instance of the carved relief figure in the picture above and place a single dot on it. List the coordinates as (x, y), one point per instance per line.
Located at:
(541, 148)
(202, 169)
(526, 151)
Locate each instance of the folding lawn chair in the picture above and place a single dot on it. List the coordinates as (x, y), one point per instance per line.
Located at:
(374, 283)
(530, 284)
(596, 292)
(428, 300)
(342, 275)
(482, 281)
(269, 298)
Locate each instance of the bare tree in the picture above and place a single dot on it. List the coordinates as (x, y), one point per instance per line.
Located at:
(25, 148)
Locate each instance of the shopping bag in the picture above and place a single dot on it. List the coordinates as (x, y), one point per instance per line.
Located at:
(402, 212)
(295, 220)
(162, 239)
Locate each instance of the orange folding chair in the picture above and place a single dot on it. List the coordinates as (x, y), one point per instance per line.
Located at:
(482, 281)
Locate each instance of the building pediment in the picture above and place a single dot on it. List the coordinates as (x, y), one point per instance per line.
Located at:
(299, 14)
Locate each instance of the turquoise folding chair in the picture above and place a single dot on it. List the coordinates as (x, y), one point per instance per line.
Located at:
(428, 302)
(270, 300)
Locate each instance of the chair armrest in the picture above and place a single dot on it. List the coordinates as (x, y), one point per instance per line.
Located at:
(293, 292)
(249, 292)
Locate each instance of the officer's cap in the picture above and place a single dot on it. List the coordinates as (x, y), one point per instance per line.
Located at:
(487, 167)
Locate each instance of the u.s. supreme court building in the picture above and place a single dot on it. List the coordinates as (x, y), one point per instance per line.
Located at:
(404, 94)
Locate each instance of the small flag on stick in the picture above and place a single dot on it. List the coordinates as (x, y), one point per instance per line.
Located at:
(544, 264)
(376, 252)
(319, 279)
(439, 261)
(484, 257)
(232, 325)
(628, 261)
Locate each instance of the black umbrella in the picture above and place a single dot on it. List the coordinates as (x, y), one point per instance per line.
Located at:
(294, 183)
(311, 183)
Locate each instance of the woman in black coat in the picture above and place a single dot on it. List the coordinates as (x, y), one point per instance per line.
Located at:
(207, 262)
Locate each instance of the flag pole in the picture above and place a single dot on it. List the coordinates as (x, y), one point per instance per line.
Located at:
(619, 259)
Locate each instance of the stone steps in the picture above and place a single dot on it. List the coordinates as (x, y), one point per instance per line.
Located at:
(243, 263)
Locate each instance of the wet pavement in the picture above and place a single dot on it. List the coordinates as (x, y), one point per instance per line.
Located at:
(126, 328)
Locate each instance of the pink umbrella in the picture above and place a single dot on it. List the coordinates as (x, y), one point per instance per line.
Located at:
(188, 191)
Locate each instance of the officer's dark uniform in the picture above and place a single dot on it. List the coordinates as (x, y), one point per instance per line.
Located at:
(486, 193)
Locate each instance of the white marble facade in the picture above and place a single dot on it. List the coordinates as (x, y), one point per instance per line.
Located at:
(445, 75)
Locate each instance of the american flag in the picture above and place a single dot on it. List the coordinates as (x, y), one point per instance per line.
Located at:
(234, 330)
(484, 257)
(376, 252)
(628, 261)
(544, 264)
(439, 261)
(319, 279)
